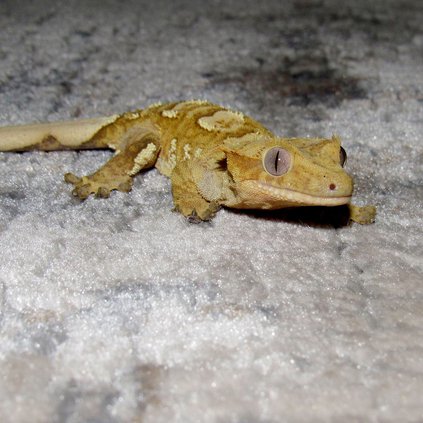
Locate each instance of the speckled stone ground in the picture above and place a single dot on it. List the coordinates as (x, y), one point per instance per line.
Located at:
(120, 311)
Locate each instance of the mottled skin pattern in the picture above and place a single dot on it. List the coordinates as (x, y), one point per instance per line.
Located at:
(214, 157)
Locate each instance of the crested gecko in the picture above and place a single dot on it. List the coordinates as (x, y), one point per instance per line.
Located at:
(214, 157)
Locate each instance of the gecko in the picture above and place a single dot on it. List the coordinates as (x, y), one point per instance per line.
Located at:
(214, 156)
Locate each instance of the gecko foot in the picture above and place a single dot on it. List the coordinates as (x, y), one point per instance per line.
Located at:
(362, 215)
(97, 185)
(194, 218)
(205, 211)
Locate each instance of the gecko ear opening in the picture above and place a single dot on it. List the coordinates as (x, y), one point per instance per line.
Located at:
(222, 164)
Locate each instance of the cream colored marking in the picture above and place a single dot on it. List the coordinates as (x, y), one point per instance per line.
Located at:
(240, 142)
(154, 105)
(198, 152)
(222, 120)
(267, 206)
(210, 184)
(69, 134)
(172, 114)
(167, 162)
(250, 137)
(174, 111)
(185, 103)
(131, 115)
(295, 196)
(202, 109)
(172, 153)
(199, 102)
(187, 150)
(114, 146)
(143, 157)
(173, 144)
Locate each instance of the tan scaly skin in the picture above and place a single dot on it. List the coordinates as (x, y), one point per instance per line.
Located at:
(214, 157)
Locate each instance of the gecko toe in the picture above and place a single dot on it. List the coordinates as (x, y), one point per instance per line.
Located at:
(102, 192)
(194, 218)
(363, 215)
(125, 186)
(70, 178)
(82, 192)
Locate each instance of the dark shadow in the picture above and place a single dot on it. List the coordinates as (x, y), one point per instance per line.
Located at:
(318, 217)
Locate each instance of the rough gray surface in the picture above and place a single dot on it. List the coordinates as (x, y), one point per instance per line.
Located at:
(120, 311)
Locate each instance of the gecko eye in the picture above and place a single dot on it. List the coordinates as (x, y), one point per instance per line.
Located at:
(342, 156)
(277, 161)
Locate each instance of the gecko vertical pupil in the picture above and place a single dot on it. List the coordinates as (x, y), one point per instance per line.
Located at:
(277, 161)
(342, 157)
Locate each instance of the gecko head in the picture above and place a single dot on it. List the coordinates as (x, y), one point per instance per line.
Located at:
(274, 173)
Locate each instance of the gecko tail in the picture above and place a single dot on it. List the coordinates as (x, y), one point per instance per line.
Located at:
(66, 135)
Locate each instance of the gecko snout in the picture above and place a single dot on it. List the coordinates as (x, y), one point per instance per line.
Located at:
(339, 185)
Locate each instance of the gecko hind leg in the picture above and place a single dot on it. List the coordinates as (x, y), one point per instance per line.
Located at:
(118, 172)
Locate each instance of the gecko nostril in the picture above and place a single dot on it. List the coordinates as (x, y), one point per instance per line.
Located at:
(332, 187)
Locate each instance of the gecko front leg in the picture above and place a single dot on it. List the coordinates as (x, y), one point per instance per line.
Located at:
(118, 172)
(187, 198)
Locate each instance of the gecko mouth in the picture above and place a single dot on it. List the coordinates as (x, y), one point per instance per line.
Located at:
(297, 197)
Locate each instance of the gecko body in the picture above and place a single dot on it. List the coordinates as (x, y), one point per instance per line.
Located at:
(214, 157)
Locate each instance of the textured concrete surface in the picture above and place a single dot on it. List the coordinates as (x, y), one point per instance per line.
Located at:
(120, 311)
